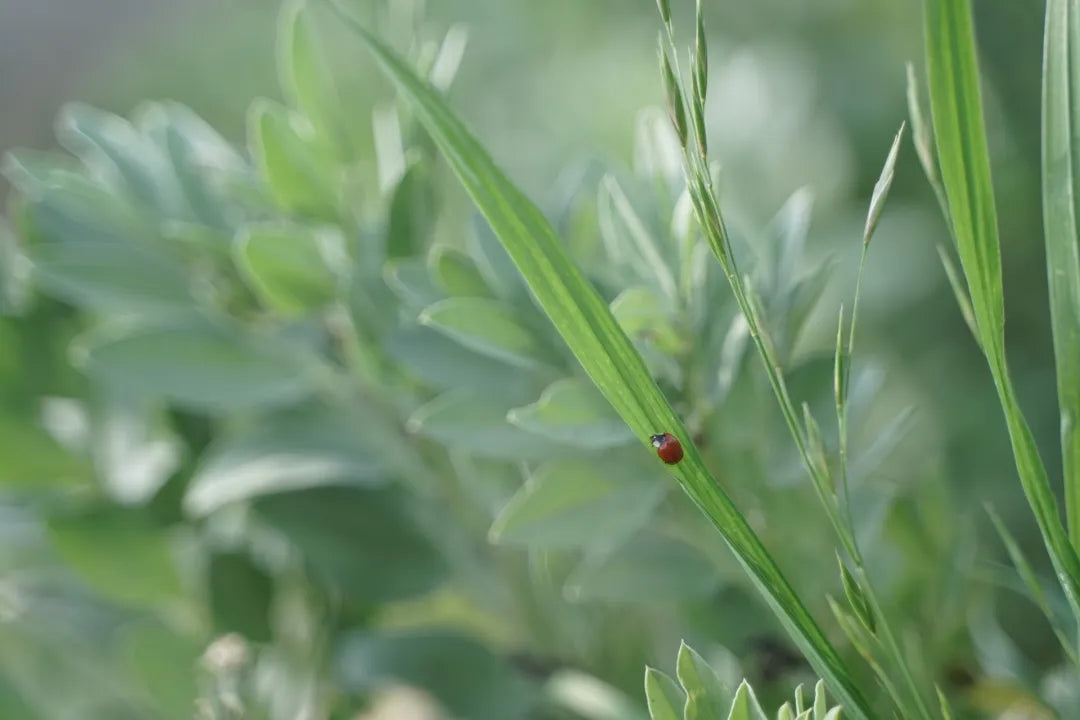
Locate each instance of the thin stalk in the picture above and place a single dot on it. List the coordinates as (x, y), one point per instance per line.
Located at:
(710, 218)
(842, 406)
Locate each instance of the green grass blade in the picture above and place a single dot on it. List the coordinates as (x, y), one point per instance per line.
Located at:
(1031, 581)
(606, 354)
(956, 108)
(1060, 170)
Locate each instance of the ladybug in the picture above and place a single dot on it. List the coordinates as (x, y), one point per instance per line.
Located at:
(668, 447)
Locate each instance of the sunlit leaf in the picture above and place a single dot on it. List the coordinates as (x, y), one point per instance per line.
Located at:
(486, 327)
(300, 173)
(571, 410)
(578, 502)
(478, 424)
(290, 266)
(663, 696)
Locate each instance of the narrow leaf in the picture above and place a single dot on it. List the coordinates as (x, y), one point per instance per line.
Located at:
(291, 450)
(197, 366)
(412, 211)
(305, 73)
(745, 706)
(706, 696)
(477, 423)
(1031, 581)
(456, 273)
(956, 106)
(959, 291)
(485, 326)
(1060, 175)
(289, 266)
(662, 696)
(573, 411)
(578, 502)
(299, 172)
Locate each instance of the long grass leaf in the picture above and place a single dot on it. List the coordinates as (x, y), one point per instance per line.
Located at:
(1031, 582)
(1060, 171)
(606, 354)
(956, 108)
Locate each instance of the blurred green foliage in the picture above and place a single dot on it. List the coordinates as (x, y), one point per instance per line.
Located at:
(282, 429)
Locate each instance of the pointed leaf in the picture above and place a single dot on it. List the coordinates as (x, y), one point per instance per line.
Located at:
(112, 278)
(821, 705)
(477, 424)
(745, 706)
(956, 106)
(204, 163)
(412, 213)
(198, 366)
(300, 173)
(408, 278)
(662, 695)
(574, 412)
(1031, 581)
(288, 266)
(959, 292)
(455, 272)
(292, 450)
(578, 502)
(135, 166)
(643, 313)
(881, 188)
(446, 364)
(485, 326)
(706, 696)
(305, 72)
(632, 228)
(1061, 175)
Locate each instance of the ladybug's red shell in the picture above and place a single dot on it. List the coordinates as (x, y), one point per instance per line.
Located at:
(668, 447)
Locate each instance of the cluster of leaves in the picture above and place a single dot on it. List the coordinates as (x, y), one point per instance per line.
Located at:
(298, 416)
(317, 419)
(701, 693)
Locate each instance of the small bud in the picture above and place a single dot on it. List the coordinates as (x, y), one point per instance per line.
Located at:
(676, 109)
(881, 188)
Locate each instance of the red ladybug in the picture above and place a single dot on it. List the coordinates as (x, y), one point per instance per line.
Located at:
(668, 447)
